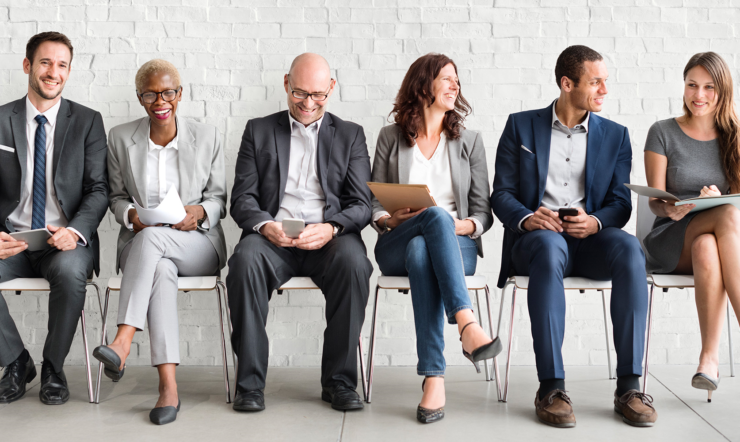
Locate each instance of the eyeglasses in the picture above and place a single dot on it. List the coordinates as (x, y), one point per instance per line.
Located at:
(151, 97)
(315, 97)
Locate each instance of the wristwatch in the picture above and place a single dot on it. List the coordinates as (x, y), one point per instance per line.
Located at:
(337, 228)
(202, 220)
(385, 224)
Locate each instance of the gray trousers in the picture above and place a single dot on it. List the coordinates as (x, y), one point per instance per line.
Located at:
(151, 262)
(67, 274)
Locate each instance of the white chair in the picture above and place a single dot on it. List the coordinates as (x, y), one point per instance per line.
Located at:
(570, 283)
(186, 284)
(401, 283)
(19, 285)
(645, 220)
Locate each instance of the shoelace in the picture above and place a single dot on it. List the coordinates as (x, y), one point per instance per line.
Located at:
(645, 398)
(562, 394)
(11, 370)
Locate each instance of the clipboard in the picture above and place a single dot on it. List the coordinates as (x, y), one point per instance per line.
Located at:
(399, 196)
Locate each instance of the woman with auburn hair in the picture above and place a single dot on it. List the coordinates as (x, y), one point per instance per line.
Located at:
(147, 159)
(435, 246)
(698, 155)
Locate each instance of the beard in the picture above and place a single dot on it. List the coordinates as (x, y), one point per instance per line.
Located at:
(36, 87)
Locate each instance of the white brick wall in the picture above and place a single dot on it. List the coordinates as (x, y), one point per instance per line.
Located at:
(233, 53)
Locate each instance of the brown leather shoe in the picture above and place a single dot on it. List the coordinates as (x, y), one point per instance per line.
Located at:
(636, 408)
(555, 409)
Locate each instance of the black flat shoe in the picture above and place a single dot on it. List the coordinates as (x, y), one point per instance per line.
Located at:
(15, 378)
(485, 351)
(164, 415)
(428, 415)
(253, 400)
(342, 398)
(111, 361)
(54, 389)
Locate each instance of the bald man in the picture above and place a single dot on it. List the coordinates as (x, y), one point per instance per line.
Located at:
(306, 164)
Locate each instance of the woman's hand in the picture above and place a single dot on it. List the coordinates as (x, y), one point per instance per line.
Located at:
(133, 217)
(710, 191)
(676, 213)
(398, 217)
(464, 227)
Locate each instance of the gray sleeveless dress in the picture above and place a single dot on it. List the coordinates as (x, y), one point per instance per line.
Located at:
(692, 164)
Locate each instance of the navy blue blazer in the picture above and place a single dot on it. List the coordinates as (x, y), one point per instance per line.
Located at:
(519, 183)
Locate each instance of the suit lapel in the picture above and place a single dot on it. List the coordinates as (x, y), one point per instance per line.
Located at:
(323, 149)
(137, 153)
(593, 149)
(282, 141)
(405, 159)
(64, 118)
(454, 152)
(542, 127)
(186, 155)
(18, 124)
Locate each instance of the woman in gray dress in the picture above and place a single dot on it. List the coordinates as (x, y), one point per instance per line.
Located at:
(698, 154)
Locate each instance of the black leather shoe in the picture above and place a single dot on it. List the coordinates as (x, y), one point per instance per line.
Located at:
(253, 400)
(342, 398)
(111, 361)
(54, 389)
(14, 380)
(164, 415)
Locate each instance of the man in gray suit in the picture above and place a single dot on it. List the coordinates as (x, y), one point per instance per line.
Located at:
(52, 175)
(308, 164)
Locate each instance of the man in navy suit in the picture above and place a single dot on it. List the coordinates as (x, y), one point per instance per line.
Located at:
(565, 156)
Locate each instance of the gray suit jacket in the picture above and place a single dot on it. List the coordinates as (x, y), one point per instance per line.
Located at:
(80, 179)
(202, 175)
(392, 164)
(343, 165)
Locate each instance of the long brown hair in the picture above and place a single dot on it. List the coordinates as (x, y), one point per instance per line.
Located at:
(416, 94)
(725, 118)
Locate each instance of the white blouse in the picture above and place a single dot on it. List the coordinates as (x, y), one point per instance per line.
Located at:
(436, 174)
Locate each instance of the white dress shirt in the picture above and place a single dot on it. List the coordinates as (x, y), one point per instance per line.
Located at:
(22, 215)
(435, 172)
(304, 198)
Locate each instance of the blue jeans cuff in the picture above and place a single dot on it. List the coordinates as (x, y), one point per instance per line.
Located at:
(430, 372)
(451, 315)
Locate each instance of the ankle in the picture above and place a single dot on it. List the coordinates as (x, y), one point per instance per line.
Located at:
(627, 383)
(548, 385)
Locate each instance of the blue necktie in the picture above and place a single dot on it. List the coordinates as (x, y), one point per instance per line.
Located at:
(39, 175)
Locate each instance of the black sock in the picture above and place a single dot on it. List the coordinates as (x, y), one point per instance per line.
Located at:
(23, 358)
(549, 385)
(627, 383)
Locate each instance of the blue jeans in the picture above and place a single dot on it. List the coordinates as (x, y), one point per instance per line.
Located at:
(426, 249)
(547, 257)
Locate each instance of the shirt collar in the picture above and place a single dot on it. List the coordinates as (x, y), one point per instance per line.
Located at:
(172, 144)
(295, 125)
(50, 114)
(555, 118)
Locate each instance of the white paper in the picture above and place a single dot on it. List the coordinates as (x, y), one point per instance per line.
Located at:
(169, 211)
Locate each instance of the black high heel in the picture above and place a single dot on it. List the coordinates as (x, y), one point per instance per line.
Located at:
(485, 351)
(429, 415)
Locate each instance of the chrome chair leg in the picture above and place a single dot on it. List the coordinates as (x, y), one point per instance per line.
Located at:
(228, 319)
(362, 369)
(606, 335)
(480, 322)
(371, 350)
(511, 342)
(646, 374)
(729, 335)
(498, 334)
(224, 359)
(87, 358)
(490, 329)
(100, 303)
(103, 341)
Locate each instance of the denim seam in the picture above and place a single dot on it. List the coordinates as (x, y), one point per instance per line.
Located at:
(430, 373)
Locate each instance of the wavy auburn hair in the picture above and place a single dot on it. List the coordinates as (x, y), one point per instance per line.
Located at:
(416, 94)
(725, 117)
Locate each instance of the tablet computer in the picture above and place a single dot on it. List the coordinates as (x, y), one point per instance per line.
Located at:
(399, 196)
(36, 239)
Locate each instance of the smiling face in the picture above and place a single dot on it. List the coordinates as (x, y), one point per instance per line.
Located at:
(591, 90)
(161, 112)
(309, 74)
(699, 93)
(48, 72)
(445, 88)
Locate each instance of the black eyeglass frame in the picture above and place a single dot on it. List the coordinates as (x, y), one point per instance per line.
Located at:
(293, 92)
(161, 94)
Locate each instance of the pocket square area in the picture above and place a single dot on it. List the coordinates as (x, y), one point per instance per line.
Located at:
(525, 148)
(7, 148)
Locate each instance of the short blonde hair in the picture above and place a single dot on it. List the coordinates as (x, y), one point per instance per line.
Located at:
(155, 66)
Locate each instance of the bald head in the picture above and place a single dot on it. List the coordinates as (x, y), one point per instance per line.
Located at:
(309, 74)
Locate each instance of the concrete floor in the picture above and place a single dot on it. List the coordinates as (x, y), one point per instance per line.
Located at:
(295, 411)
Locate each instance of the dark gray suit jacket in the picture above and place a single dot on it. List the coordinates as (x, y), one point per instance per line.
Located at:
(262, 171)
(79, 170)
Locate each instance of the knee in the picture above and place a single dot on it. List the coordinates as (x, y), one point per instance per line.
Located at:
(246, 254)
(417, 255)
(165, 268)
(704, 252)
(148, 236)
(349, 259)
(68, 272)
(626, 252)
(437, 214)
(551, 251)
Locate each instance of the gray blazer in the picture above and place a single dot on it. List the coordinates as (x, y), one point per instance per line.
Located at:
(392, 164)
(202, 175)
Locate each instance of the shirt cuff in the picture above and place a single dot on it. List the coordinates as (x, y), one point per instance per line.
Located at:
(259, 226)
(597, 220)
(206, 224)
(478, 228)
(82, 241)
(128, 224)
(520, 226)
(376, 217)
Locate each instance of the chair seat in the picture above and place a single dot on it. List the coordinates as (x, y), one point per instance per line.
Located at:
(672, 281)
(570, 283)
(25, 284)
(189, 283)
(299, 283)
(402, 282)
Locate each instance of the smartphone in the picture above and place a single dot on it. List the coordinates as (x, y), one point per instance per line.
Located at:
(293, 227)
(563, 211)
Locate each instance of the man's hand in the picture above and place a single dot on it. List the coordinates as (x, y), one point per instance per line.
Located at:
(192, 215)
(133, 217)
(9, 246)
(62, 238)
(273, 231)
(580, 226)
(464, 227)
(315, 236)
(543, 219)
